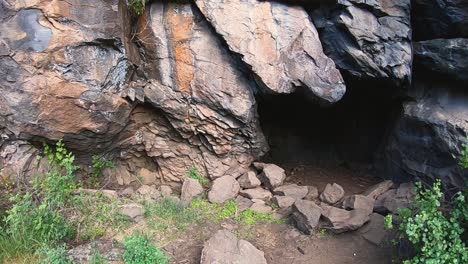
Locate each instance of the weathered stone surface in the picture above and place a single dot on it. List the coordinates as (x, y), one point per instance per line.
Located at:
(257, 193)
(381, 49)
(379, 206)
(249, 180)
(224, 247)
(243, 203)
(190, 189)
(374, 231)
(439, 19)
(306, 215)
(312, 194)
(427, 140)
(261, 208)
(279, 43)
(147, 176)
(340, 220)
(359, 202)
(446, 57)
(292, 190)
(106, 193)
(283, 201)
(127, 192)
(133, 210)
(272, 175)
(332, 193)
(110, 250)
(166, 191)
(149, 192)
(223, 189)
(378, 189)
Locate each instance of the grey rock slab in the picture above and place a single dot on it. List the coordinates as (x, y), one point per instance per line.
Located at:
(272, 176)
(374, 231)
(359, 202)
(292, 190)
(332, 193)
(225, 248)
(261, 208)
(312, 193)
(378, 189)
(283, 201)
(243, 203)
(132, 210)
(257, 193)
(223, 189)
(249, 180)
(291, 53)
(340, 220)
(306, 215)
(190, 189)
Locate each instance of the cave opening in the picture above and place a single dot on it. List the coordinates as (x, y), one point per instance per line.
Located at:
(343, 142)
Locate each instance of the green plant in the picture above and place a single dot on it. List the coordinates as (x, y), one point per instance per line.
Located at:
(194, 174)
(435, 236)
(55, 256)
(98, 165)
(168, 214)
(96, 257)
(226, 210)
(250, 217)
(137, 6)
(388, 222)
(139, 250)
(463, 161)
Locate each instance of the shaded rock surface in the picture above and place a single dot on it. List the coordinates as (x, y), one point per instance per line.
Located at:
(291, 53)
(306, 215)
(272, 175)
(340, 220)
(332, 193)
(381, 49)
(224, 247)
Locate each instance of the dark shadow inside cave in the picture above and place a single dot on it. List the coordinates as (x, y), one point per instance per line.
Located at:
(329, 142)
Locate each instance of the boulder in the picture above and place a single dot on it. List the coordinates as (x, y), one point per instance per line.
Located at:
(446, 57)
(359, 202)
(149, 192)
(249, 180)
(147, 176)
(379, 206)
(376, 190)
(133, 210)
(292, 190)
(243, 203)
(381, 49)
(340, 220)
(127, 192)
(291, 53)
(225, 247)
(223, 189)
(332, 193)
(306, 215)
(283, 201)
(312, 193)
(166, 190)
(190, 189)
(261, 208)
(257, 193)
(272, 175)
(402, 198)
(374, 231)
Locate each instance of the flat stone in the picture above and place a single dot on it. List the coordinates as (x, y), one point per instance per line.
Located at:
(312, 194)
(272, 176)
(243, 203)
(257, 193)
(374, 231)
(190, 189)
(283, 201)
(249, 180)
(225, 247)
(292, 190)
(332, 193)
(340, 220)
(223, 189)
(132, 210)
(306, 215)
(359, 202)
(378, 189)
(261, 208)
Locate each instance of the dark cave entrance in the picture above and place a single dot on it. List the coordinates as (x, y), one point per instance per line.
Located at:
(336, 143)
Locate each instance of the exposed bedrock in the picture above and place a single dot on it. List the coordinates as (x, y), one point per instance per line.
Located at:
(369, 39)
(278, 43)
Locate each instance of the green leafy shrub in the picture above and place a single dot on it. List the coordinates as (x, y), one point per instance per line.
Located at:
(137, 6)
(55, 256)
(435, 236)
(139, 250)
(98, 165)
(463, 161)
(194, 174)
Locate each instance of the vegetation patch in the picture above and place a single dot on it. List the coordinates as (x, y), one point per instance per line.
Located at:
(139, 250)
(137, 6)
(194, 174)
(251, 217)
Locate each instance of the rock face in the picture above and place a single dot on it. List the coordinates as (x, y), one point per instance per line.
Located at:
(446, 57)
(224, 247)
(279, 43)
(306, 215)
(381, 49)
